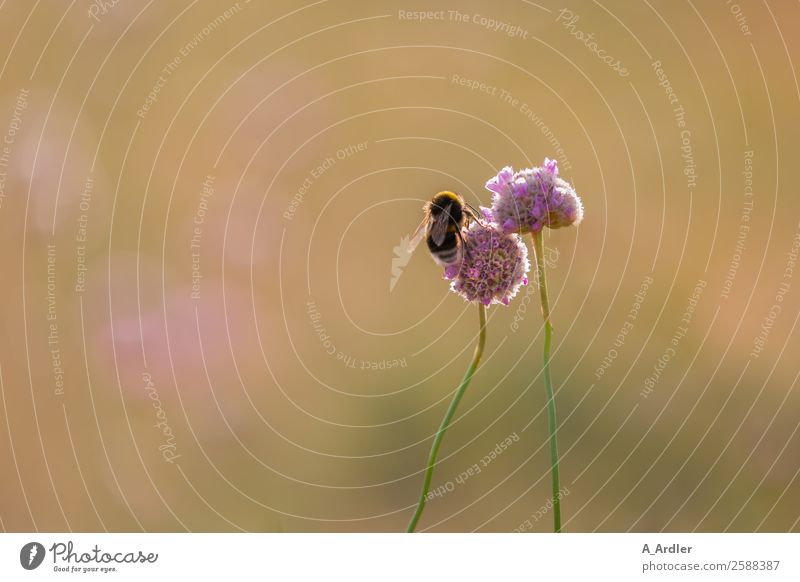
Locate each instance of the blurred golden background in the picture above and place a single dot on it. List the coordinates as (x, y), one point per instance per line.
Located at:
(199, 207)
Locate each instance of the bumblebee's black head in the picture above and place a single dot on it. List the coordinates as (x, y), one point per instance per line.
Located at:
(444, 199)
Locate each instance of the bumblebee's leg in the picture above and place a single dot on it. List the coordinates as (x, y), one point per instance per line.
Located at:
(470, 211)
(461, 240)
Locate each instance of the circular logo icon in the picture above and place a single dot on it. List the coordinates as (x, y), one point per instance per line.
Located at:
(31, 555)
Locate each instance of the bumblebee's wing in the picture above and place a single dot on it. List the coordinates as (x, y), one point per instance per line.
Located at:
(417, 237)
(439, 227)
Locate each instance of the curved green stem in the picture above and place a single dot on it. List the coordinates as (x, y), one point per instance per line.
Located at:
(548, 383)
(437, 441)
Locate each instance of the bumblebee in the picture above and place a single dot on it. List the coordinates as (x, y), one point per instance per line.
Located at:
(445, 217)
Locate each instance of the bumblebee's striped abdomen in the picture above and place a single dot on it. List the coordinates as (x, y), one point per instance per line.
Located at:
(448, 252)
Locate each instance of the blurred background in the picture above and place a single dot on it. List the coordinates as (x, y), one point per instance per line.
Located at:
(200, 204)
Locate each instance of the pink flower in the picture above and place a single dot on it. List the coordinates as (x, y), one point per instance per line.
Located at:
(529, 200)
(493, 267)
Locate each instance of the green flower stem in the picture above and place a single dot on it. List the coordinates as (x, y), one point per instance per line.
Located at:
(437, 442)
(548, 383)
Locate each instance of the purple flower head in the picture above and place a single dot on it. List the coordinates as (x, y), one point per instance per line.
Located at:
(493, 266)
(529, 200)
(498, 183)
